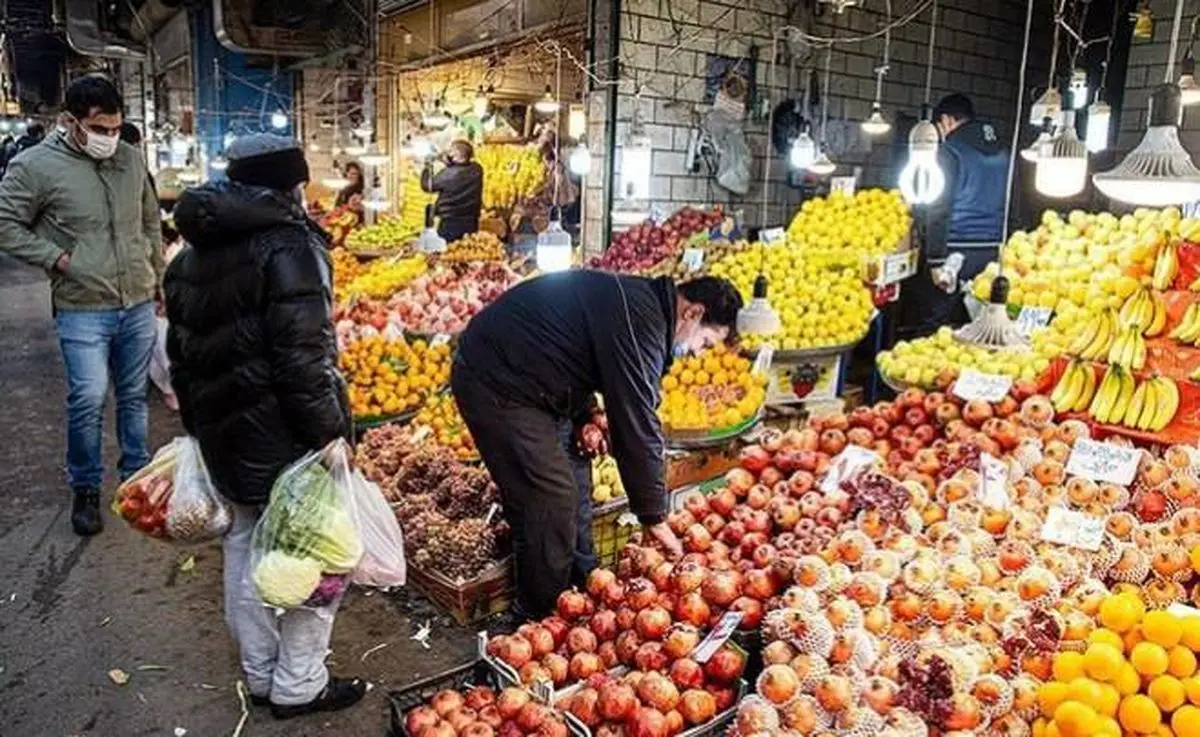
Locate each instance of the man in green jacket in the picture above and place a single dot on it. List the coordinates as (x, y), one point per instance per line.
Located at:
(80, 205)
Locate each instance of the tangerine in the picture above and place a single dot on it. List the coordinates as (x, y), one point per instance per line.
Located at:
(1122, 612)
(1186, 722)
(1167, 692)
(1149, 659)
(1181, 662)
(1102, 661)
(1162, 628)
(1075, 719)
(1138, 713)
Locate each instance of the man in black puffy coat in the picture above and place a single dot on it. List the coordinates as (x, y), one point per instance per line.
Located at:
(254, 364)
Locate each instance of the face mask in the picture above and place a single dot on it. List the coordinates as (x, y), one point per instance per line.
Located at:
(97, 145)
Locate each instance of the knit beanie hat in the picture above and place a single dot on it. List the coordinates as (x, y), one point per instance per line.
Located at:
(267, 160)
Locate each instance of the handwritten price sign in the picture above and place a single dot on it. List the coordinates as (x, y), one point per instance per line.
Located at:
(973, 385)
(693, 258)
(1032, 318)
(1103, 462)
(771, 236)
(846, 464)
(1068, 527)
(993, 482)
(725, 628)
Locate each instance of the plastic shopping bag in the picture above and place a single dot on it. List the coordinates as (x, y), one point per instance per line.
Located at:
(173, 498)
(307, 541)
(382, 563)
(160, 365)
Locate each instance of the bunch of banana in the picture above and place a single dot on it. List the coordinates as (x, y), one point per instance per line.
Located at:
(1128, 349)
(1097, 337)
(1153, 405)
(1076, 389)
(1146, 310)
(1166, 266)
(1113, 396)
(1188, 330)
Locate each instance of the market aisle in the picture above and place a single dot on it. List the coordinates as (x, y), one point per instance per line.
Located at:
(72, 610)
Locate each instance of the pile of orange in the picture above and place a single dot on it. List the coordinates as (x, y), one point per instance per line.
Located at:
(1137, 676)
(346, 268)
(714, 389)
(440, 415)
(391, 377)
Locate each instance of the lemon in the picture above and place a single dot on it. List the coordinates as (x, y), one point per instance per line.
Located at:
(1139, 714)
(1162, 628)
(1149, 659)
(1101, 660)
(1106, 636)
(1186, 722)
(1167, 692)
(1068, 666)
(1075, 719)
(1181, 662)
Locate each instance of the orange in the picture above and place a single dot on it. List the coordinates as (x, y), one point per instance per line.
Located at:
(1085, 691)
(1191, 687)
(1110, 700)
(1050, 696)
(1075, 719)
(1068, 666)
(1106, 727)
(1102, 661)
(1186, 722)
(1139, 714)
(1122, 612)
(1106, 636)
(1167, 692)
(1181, 662)
(1149, 659)
(1162, 628)
(1190, 637)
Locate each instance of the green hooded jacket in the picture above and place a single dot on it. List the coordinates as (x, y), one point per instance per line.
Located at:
(56, 199)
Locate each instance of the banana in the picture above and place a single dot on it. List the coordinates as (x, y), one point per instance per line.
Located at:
(1159, 319)
(1118, 348)
(1089, 388)
(1074, 380)
(1086, 339)
(1106, 328)
(1124, 398)
(1060, 389)
(1106, 395)
(1192, 330)
(1168, 403)
(1138, 360)
(1136, 404)
(1166, 266)
(1195, 375)
(1129, 307)
(1183, 331)
(1150, 406)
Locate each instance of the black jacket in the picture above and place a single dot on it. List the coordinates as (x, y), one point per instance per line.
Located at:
(459, 188)
(553, 341)
(251, 340)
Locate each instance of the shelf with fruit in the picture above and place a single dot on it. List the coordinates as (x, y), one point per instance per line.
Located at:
(481, 246)
(606, 480)
(936, 361)
(818, 306)
(709, 392)
(388, 236)
(1119, 399)
(390, 377)
(841, 230)
(444, 299)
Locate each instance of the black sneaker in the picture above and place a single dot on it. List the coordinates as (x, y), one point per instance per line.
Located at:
(85, 512)
(338, 694)
(260, 700)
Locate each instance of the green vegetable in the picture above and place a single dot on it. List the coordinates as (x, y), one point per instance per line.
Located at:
(307, 518)
(285, 581)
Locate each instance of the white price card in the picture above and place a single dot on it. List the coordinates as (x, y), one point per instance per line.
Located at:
(842, 184)
(846, 464)
(693, 258)
(993, 482)
(725, 628)
(1183, 610)
(1068, 527)
(439, 339)
(771, 236)
(1032, 318)
(763, 359)
(896, 267)
(972, 385)
(1103, 462)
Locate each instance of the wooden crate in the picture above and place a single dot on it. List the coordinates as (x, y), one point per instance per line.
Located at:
(470, 601)
(686, 467)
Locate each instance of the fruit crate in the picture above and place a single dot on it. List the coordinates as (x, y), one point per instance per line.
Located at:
(704, 487)
(714, 726)
(612, 526)
(489, 593)
(402, 701)
(690, 467)
(543, 691)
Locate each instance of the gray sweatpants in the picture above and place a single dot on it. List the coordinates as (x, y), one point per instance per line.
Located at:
(283, 656)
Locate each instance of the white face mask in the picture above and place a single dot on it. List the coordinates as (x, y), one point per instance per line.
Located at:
(98, 145)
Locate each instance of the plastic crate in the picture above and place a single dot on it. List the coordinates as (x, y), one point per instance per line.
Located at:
(491, 592)
(476, 673)
(612, 525)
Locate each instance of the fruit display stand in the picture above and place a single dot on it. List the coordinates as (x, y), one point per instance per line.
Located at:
(489, 593)
(402, 701)
(705, 439)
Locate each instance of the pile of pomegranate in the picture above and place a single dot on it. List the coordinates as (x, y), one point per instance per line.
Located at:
(480, 712)
(646, 245)
(442, 301)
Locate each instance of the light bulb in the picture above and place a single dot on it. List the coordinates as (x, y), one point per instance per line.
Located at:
(1159, 171)
(279, 120)
(1035, 148)
(437, 118)
(576, 122)
(1079, 89)
(420, 148)
(635, 168)
(1099, 118)
(480, 106)
(356, 150)
(922, 180)
(547, 105)
(876, 124)
(1062, 163)
(580, 160)
(337, 181)
(1049, 105)
(822, 166)
(803, 151)
(181, 145)
(363, 130)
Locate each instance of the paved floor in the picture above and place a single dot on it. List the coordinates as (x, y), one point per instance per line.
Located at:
(71, 610)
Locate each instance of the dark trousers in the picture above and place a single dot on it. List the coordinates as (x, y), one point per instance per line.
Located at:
(524, 450)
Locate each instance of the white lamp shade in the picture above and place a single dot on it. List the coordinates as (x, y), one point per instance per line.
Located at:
(922, 181)
(576, 122)
(580, 160)
(1062, 163)
(803, 152)
(822, 165)
(1159, 172)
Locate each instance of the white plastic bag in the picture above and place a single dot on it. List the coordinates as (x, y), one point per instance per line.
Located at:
(382, 564)
(196, 511)
(160, 365)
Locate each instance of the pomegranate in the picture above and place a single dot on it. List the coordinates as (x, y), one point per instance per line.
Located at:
(490, 715)
(720, 588)
(752, 612)
(614, 595)
(585, 706)
(652, 623)
(647, 722)
(531, 716)
(479, 697)
(640, 593)
(681, 640)
(510, 702)
(627, 645)
(650, 657)
(697, 706)
(658, 691)
(687, 673)
(420, 719)
(445, 702)
(558, 628)
(441, 729)
(557, 666)
(572, 605)
(581, 640)
(778, 683)
(532, 672)
(603, 625)
(693, 609)
(598, 580)
(617, 702)
(723, 502)
(608, 655)
(725, 666)
(695, 504)
(739, 481)
(754, 459)
(698, 539)
(460, 718)
(584, 665)
(541, 641)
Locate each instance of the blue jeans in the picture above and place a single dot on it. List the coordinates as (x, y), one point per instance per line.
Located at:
(100, 346)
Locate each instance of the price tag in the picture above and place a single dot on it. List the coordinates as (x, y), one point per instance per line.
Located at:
(762, 361)
(993, 482)
(1183, 610)
(896, 267)
(771, 236)
(1032, 318)
(693, 258)
(973, 385)
(1103, 462)
(842, 184)
(491, 513)
(725, 628)
(846, 464)
(439, 339)
(1068, 527)
(419, 435)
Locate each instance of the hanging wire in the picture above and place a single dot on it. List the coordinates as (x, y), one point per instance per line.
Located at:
(887, 52)
(1112, 35)
(1080, 44)
(1016, 136)
(825, 97)
(929, 65)
(1169, 76)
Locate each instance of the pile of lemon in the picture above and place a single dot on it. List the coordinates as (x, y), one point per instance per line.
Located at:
(937, 360)
(715, 389)
(841, 229)
(1136, 677)
(511, 174)
(386, 276)
(818, 305)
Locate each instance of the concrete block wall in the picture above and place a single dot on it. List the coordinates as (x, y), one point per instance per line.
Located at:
(664, 46)
(1147, 66)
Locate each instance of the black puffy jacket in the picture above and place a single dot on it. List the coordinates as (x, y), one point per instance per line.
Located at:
(251, 340)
